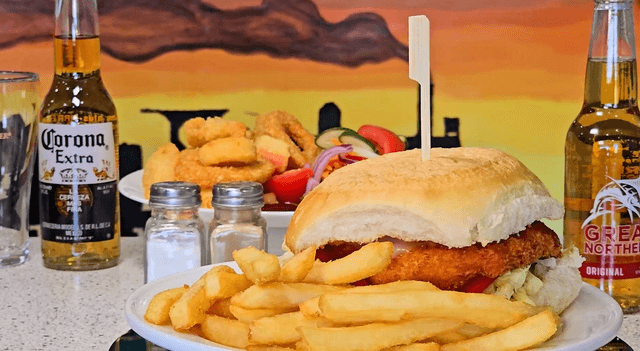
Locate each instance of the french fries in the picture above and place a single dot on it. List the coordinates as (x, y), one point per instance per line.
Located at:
(259, 266)
(448, 337)
(310, 308)
(220, 284)
(481, 309)
(401, 285)
(369, 260)
(282, 328)
(375, 336)
(222, 308)
(297, 267)
(280, 295)
(249, 315)
(226, 331)
(472, 331)
(530, 332)
(158, 310)
(430, 346)
(465, 332)
(302, 304)
(269, 348)
(190, 308)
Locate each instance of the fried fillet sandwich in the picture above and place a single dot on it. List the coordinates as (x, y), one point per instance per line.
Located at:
(468, 219)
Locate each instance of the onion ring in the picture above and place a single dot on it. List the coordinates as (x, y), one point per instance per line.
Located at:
(200, 131)
(286, 127)
(232, 151)
(189, 169)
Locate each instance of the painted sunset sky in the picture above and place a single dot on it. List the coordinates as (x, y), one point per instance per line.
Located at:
(512, 71)
(522, 45)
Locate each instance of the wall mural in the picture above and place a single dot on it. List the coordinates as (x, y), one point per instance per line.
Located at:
(505, 74)
(140, 30)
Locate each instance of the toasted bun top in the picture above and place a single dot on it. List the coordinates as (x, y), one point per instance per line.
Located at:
(459, 197)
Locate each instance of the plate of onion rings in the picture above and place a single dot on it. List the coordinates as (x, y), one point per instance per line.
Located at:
(279, 153)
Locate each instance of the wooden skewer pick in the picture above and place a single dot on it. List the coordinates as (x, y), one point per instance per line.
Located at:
(419, 70)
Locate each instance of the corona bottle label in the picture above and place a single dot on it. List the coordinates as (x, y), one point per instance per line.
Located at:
(77, 182)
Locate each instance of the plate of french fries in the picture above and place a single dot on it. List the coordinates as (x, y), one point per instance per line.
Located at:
(293, 302)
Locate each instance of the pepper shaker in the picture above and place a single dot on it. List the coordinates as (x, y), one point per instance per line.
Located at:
(175, 235)
(237, 220)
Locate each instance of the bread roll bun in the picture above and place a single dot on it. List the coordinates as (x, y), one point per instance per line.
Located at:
(459, 197)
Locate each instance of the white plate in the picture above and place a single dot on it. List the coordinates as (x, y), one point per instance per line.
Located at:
(591, 321)
(277, 221)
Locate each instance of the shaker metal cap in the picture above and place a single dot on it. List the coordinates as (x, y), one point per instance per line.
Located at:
(613, 4)
(178, 194)
(237, 194)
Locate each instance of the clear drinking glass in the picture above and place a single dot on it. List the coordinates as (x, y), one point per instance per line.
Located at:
(19, 98)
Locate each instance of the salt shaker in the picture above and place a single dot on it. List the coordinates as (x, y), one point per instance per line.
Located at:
(237, 220)
(175, 234)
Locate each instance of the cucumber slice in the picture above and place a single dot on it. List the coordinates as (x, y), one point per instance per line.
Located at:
(323, 140)
(361, 146)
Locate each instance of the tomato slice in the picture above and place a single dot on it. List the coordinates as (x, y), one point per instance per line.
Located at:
(354, 157)
(363, 282)
(290, 185)
(477, 284)
(323, 255)
(385, 140)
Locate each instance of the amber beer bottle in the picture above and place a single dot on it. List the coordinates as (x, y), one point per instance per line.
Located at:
(602, 160)
(78, 155)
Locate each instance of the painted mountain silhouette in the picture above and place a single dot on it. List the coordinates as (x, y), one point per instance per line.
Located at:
(139, 30)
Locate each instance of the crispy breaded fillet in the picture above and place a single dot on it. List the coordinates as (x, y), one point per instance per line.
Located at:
(200, 131)
(159, 167)
(450, 268)
(228, 151)
(189, 169)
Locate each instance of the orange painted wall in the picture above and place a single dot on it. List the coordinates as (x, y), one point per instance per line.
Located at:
(512, 71)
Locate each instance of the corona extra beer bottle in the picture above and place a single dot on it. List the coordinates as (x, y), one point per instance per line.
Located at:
(78, 149)
(602, 160)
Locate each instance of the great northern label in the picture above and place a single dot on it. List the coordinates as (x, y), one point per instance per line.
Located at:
(614, 271)
(77, 182)
(611, 234)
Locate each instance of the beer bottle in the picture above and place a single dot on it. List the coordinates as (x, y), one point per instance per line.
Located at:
(78, 154)
(602, 160)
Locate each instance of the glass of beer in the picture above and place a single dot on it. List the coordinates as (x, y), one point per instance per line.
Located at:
(19, 98)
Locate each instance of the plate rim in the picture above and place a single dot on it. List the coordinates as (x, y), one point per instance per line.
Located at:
(160, 337)
(131, 178)
(601, 338)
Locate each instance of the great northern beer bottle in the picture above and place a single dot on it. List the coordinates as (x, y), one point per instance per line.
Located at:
(78, 154)
(602, 160)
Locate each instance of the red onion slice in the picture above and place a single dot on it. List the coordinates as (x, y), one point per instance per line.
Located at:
(322, 161)
(311, 183)
(325, 156)
(346, 160)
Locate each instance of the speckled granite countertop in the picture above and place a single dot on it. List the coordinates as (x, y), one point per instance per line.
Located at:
(44, 309)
